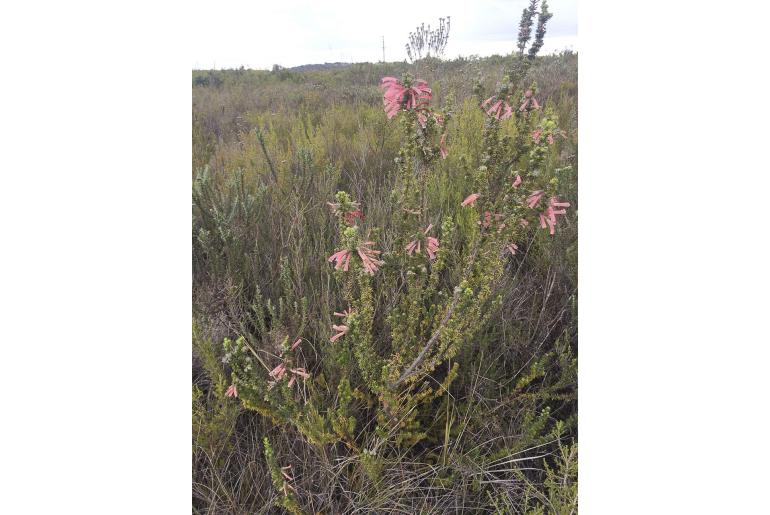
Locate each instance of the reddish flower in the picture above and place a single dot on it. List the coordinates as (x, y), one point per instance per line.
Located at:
(470, 200)
(336, 206)
(549, 139)
(296, 344)
(533, 199)
(517, 181)
(536, 135)
(529, 101)
(396, 95)
(350, 217)
(442, 146)
(232, 391)
(512, 248)
(500, 109)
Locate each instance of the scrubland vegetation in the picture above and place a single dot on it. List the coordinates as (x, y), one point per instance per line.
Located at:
(385, 300)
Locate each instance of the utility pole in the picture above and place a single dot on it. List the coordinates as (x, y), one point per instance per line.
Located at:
(383, 49)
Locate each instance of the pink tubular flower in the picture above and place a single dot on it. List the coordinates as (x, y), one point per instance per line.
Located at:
(297, 372)
(422, 117)
(487, 218)
(232, 391)
(500, 109)
(346, 313)
(517, 181)
(369, 258)
(442, 146)
(396, 95)
(431, 245)
(537, 134)
(533, 199)
(296, 344)
(341, 258)
(342, 330)
(470, 199)
(412, 247)
(301, 372)
(512, 248)
(278, 372)
(548, 217)
(529, 101)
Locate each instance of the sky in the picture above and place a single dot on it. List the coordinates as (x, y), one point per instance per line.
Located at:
(258, 34)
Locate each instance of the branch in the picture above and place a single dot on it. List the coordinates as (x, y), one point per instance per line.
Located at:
(421, 356)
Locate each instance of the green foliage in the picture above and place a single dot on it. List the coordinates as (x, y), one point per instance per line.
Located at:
(213, 416)
(286, 491)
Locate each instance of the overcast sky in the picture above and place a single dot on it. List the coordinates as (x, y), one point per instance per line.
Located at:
(258, 34)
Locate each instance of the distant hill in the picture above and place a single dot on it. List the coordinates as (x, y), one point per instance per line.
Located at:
(315, 67)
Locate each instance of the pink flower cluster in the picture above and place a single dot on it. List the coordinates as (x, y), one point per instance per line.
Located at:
(529, 101)
(470, 200)
(369, 258)
(341, 329)
(537, 134)
(422, 117)
(280, 371)
(431, 245)
(490, 218)
(548, 216)
(500, 109)
(396, 95)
